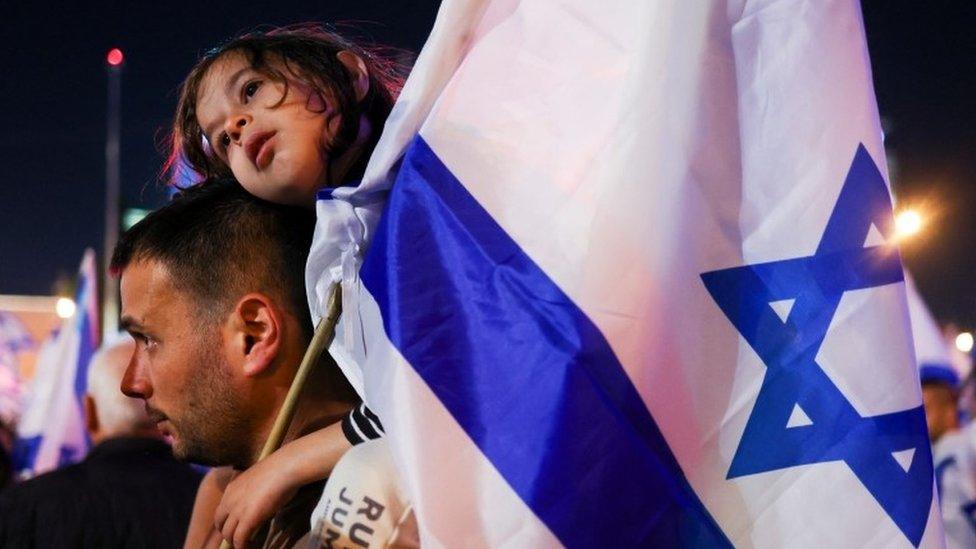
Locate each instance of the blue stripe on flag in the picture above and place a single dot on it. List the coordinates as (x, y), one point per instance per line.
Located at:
(24, 453)
(86, 347)
(528, 376)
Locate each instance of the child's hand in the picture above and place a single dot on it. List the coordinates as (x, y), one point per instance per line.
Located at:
(253, 497)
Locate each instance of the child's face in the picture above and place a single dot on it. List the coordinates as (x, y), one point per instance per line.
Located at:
(276, 151)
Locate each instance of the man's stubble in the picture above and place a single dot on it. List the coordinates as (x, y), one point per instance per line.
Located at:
(215, 428)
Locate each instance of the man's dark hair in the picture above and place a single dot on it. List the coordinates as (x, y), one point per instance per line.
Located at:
(219, 242)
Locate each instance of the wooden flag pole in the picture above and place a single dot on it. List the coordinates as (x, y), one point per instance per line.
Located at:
(324, 333)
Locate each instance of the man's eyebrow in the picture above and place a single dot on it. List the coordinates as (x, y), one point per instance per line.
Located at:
(129, 324)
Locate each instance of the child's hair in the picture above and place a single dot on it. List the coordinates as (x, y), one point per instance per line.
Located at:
(308, 54)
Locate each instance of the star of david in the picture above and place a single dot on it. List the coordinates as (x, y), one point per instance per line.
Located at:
(800, 416)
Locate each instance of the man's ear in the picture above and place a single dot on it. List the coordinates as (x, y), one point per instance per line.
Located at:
(357, 68)
(257, 333)
(91, 414)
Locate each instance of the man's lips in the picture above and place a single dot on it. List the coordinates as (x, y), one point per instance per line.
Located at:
(260, 148)
(155, 415)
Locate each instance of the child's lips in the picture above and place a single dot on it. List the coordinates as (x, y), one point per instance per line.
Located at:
(260, 149)
(266, 154)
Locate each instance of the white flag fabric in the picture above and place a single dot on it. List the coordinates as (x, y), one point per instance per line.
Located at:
(51, 431)
(634, 284)
(932, 353)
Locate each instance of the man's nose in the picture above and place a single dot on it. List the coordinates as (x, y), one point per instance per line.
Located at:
(134, 382)
(235, 127)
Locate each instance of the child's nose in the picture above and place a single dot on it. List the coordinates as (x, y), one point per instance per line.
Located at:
(235, 127)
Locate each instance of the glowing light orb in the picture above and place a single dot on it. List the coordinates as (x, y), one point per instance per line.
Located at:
(65, 307)
(115, 57)
(964, 342)
(907, 223)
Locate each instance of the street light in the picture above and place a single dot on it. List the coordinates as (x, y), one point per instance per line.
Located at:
(114, 60)
(907, 223)
(65, 307)
(964, 342)
(115, 57)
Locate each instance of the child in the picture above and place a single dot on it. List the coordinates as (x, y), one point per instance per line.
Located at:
(286, 113)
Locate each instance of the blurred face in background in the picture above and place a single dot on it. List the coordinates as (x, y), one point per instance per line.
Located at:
(941, 411)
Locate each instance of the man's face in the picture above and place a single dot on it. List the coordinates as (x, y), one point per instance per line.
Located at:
(940, 409)
(179, 369)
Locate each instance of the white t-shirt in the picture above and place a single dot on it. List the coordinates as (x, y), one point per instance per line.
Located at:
(363, 504)
(955, 473)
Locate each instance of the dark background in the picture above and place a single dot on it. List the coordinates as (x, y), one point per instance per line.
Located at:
(52, 92)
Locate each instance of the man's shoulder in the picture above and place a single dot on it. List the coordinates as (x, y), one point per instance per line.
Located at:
(123, 458)
(59, 483)
(50, 496)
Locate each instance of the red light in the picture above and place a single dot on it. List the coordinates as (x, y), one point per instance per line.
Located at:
(115, 57)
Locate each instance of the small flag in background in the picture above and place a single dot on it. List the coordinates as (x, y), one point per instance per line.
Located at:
(51, 431)
(634, 283)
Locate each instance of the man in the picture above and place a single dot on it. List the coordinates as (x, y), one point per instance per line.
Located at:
(128, 492)
(212, 290)
(954, 454)
(940, 395)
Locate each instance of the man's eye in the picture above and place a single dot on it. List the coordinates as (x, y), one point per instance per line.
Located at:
(251, 88)
(142, 340)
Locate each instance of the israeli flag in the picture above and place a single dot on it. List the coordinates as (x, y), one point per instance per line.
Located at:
(622, 274)
(51, 432)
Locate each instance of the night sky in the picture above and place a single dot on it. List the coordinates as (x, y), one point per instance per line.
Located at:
(53, 92)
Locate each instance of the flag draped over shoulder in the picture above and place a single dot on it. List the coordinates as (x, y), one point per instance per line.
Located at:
(622, 274)
(51, 431)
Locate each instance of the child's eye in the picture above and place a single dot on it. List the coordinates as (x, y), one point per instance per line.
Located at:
(251, 88)
(224, 140)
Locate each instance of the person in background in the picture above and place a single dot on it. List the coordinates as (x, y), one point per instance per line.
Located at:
(128, 492)
(954, 454)
(940, 395)
(6, 463)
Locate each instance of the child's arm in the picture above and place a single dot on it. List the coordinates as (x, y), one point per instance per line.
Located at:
(255, 495)
(201, 533)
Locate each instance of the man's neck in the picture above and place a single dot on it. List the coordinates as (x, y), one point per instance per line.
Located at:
(315, 415)
(311, 414)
